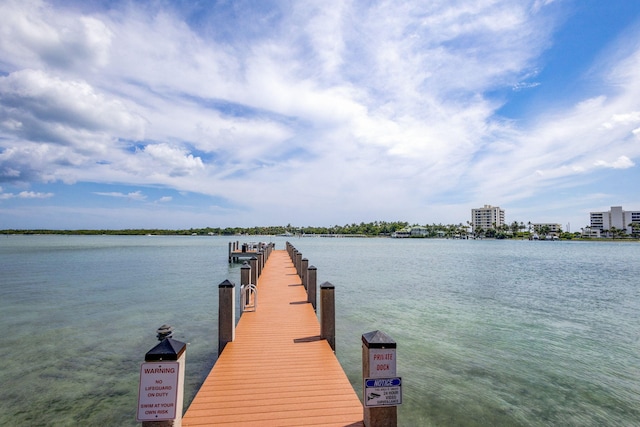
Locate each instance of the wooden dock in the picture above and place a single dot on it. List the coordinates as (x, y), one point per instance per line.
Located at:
(277, 371)
(245, 251)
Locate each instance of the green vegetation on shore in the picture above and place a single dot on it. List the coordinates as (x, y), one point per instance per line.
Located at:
(377, 228)
(371, 229)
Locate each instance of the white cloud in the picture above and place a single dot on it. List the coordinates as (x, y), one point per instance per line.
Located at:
(136, 195)
(36, 35)
(39, 98)
(622, 162)
(25, 195)
(174, 161)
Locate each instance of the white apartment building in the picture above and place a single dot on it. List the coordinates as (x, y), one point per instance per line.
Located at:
(604, 222)
(487, 217)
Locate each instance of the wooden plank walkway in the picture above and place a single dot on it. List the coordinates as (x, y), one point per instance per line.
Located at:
(277, 372)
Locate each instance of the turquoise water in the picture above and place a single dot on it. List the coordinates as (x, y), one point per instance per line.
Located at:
(489, 332)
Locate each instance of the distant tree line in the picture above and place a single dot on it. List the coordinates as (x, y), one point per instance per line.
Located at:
(377, 228)
(518, 230)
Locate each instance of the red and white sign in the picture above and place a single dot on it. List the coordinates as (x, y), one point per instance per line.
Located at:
(158, 393)
(382, 362)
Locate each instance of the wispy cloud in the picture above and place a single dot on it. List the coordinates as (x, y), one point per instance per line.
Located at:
(24, 195)
(137, 195)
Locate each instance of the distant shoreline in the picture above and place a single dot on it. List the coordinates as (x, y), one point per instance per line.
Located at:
(200, 232)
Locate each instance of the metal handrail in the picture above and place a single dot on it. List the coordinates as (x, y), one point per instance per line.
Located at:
(248, 297)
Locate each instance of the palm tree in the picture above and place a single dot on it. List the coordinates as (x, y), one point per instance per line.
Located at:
(544, 230)
(515, 226)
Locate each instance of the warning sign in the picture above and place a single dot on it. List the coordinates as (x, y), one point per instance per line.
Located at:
(158, 393)
(382, 391)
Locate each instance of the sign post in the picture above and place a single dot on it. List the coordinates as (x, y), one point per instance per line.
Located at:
(161, 390)
(381, 386)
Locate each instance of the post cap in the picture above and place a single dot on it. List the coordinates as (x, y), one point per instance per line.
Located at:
(168, 349)
(311, 267)
(227, 284)
(378, 339)
(327, 285)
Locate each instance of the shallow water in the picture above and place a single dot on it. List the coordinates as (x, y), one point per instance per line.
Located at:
(488, 332)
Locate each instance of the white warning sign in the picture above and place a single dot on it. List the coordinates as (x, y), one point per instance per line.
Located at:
(158, 393)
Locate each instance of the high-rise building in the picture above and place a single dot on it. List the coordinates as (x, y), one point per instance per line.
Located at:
(487, 217)
(616, 218)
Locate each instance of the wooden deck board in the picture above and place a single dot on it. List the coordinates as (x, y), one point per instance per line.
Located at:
(277, 372)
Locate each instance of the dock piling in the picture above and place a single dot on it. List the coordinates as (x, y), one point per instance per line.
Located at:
(226, 314)
(328, 314)
(253, 263)
(304, 266)
(298, 263)
(311, 286)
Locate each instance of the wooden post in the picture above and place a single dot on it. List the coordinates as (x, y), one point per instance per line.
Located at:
(304, 266)
(328, 314)
(253, 262)
(164, 363)
(258, 264)
(379, 361)
(311, 286)
(226, 314)
(262, 260)
(245, 277)
(298, 264)
(230, 250)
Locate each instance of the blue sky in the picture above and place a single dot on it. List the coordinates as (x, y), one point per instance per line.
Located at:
(180, 114)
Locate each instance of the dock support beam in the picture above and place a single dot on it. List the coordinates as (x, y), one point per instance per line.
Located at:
(328, 314)
(226, 314)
